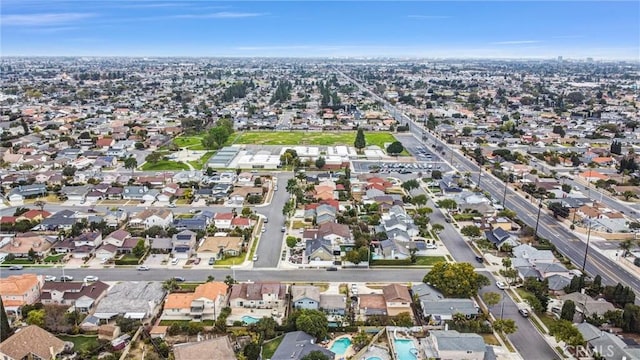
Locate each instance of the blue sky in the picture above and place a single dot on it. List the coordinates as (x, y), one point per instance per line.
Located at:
(452, 29)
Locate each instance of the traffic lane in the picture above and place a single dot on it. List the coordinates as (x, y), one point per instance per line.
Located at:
(193, 274)
(453, 241)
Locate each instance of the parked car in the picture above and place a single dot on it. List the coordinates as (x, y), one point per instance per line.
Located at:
(49, 278)
(143, 268)
(501, 285)
(332, 268)
(283, 229)
(524, 312)
(16, 267)
(92, 210)
(175, 261)
(178, 278)
(255, 257)
(66, 278)
(90, 278)
(479, 259)
(431, 246)
(212, 261)
(172, 205)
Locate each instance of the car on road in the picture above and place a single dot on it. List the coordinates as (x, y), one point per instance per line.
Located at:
(255, 257)
(172, 205)
(264, 228)
(16, 267)
(175, 261)
(501, 285)
(283, 229)
(178, 278)
(266, 219)
(479, 259)
(49, 278)
(524, 312)
(90, 278)
(143, 268)
(66, 278)
(92, 210)
(212, 261)
(332, 268)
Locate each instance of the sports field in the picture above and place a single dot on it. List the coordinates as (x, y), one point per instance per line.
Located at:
(312, 138)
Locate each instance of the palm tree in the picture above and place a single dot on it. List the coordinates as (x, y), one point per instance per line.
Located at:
(40, 204)
(625, 246)
(131, 163)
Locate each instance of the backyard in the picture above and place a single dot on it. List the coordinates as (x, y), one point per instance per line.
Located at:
(81, 342)
(269, 348)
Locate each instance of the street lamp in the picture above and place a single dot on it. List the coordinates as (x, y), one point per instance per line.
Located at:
(535, 236)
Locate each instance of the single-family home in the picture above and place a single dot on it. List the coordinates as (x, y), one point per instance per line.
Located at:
(371, 305)
(19, 290)
(305, 297)
(499, 237)
(440, 310)
(298, 344)
(152, 217)
(219, 348)
(83, 296)
(23, 192)
(184, 244)
(451, 344)
(31, 342)
(397, 299)
(333, 304)
(260, 295)
(337, 233)
(205, 303)
(220, 246)
(223, 220)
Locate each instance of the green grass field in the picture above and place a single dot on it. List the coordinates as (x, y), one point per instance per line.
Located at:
(269, 348)
(311, 138)
(199, 164)
(80, 342)
(429, 260)
(193, 142)
(164, 165)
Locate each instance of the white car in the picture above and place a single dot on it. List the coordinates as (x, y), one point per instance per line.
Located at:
(431, 246)
(143, 268)
(264, 229)
(255, 257)
(49, 278)
(90, 278)
(501, 285)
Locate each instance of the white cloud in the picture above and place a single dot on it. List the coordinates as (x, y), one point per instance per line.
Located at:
(516, 42)
(429, 17)
(219, 15)
(44, 19)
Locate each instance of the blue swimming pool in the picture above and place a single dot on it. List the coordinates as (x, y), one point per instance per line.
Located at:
(374, 358)
(341, 345)
(249, 320)
(405, 349)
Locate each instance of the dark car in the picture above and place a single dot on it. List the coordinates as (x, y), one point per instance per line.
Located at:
(91, 210)
(480, 259)
(332, 268)
(178, 278)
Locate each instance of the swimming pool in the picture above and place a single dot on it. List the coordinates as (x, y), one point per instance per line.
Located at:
(405, 349)
(341, 345)
(249, 320)
(374, 358)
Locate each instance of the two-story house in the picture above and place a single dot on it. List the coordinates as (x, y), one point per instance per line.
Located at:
(152, 217)
(83, 296)
(305, 297)
(260, 295)
(397, 299)
(223, 220)
(183, 244)
(19, 290)
(205, 303)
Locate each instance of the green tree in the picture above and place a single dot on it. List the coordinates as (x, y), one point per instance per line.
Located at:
(360, 142)
(410, 185)
(313, 322)
(437, 228)
(291, 241)
(491, 298)
(5, 329)
(505, 326)
(69, 171)
(229, 280)
(419, 200)
(357, 255)
(154, 157)
(36, 317)
(395, 148)
(456, 279)
(130, 163)
(170, 284)
(403, 320)
(320, 162)
(316, 355)
(436, 174)
(246, 211)
(360, 340)
(563, 330)
(568, 310)
(471, 231)
(252, 351)
(266, 327)
(625, 246)
(448, 204)
(506, 262)
(138, 250)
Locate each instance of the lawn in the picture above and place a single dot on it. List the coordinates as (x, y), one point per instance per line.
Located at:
(81, 342)
(193, 142)
(429, 260)
(311, 138)
(235, 260)
(164, 165)
(54, 258)
(199, 164)
(18, 262)
(188, 286)
(269, 348)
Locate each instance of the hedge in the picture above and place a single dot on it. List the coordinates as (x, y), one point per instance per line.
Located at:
(391, 262)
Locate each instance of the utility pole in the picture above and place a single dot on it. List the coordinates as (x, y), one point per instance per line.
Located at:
(586, 249)
(504, 195)
(538, 219)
